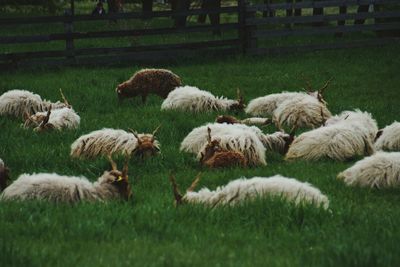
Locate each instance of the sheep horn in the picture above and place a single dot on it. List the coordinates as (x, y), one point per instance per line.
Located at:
(194, 183)
(112, 162)
(134, 134)
(322, 89)
(178, 196)
(64, 99)
(156, 130)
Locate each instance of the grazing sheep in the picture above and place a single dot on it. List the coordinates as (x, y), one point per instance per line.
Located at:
(345, 136)
(146, 81)
(266, 105)
(214, 156)
(62, 118)
(189, 98)
(4, 175)
(248, 121)
(53, 187)
(241, 190)
(304, 112)
(235, 137)
(17, 102)
(388, 138)
(110, 141)
(381, 170)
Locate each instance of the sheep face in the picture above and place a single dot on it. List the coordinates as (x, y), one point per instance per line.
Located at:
(4, 176)
(118, 179)
(123, 91)
(146, 144)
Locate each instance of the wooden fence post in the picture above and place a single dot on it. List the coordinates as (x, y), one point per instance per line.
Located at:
(69, 40)
(242, 25)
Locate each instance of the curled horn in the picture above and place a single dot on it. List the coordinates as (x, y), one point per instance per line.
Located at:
(177, 194)
(64, 99)
(194, 183)
(209, 135)
(112, 162)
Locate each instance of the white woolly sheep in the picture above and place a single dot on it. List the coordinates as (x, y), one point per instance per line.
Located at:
(4, 175)
(17, 102)
(62, 118)
(241, 190)
(110, 141)
(381, 170)
(304, 112)
(345, 136)
(248, 121)
(145, 81)
(56, 188)
(388, 138)
(266, 105)
(189, 98)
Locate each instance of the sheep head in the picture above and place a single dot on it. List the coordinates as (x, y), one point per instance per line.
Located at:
(45, 124)
(146, 144)
(179, 198)
(4, 176)
(239, 103)
(123, 90)
(119, 179)
(226, 119)
(318, 94)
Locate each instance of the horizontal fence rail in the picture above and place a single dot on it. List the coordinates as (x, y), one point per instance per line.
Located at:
(253, 29)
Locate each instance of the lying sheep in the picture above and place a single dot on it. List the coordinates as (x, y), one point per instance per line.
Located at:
(214, 156)
(62, 118)
(238, 191)
(57, 188)
(381, 170)
(189, 98)
(345, 136)
(17, 102)
(266, 105)
(388, 138)
(248, 121)
(304, 112)
(110, 141)
(4, 175)
(146, 81)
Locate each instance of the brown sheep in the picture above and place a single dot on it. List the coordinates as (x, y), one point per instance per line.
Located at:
(214, 156)
(146, 81)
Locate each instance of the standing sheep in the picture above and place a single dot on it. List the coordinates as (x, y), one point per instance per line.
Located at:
(17, 102)
(110, 141)
(146, 81)
(345, 136)
(56, 188)
(189, 98)
(4, 175)
(240, 190)
(388, 138)
(381, 170)
(214, 156)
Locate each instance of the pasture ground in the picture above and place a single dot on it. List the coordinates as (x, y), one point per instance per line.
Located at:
(361, 228)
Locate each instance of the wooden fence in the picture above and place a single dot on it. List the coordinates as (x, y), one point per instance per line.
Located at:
(254, 29)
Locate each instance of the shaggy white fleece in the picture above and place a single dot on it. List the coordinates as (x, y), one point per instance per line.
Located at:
(390, 138)
(240, 190)
(381, 170)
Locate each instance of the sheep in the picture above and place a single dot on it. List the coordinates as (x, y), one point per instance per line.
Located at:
(145, 81)
(381, 170)
(344, 137)
(4, 175)
(214, 156)
(388, 138)
(266, 105)
(236, 137)
(249, 140)
(189, 98)
(248, 121)
(17, 102)
(52, 187)
(240, 190)
(53, 119)
(305, 112)
(110, 141)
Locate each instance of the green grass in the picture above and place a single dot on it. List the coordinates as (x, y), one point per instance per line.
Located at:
(361, 228)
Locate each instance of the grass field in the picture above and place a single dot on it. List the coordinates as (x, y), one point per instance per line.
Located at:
(360, 229)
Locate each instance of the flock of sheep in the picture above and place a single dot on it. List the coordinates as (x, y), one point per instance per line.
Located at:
(226, 142)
